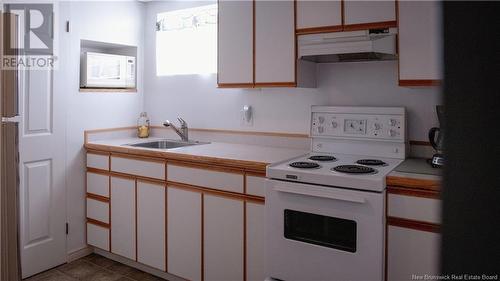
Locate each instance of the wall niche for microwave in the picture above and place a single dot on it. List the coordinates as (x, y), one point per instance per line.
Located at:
(107, 67)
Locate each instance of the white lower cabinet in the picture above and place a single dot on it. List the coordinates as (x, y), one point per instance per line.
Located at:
(151, 224)
(411, 252)
(98, 236)
(223, 238)
(255, 242)
(184, 236)
(123, 217)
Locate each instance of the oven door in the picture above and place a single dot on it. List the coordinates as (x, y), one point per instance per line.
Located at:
(324, 233)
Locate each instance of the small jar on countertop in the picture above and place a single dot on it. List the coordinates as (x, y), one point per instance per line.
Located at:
(143, 125)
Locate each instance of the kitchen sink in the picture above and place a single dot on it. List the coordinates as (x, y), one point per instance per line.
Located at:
(167, 144)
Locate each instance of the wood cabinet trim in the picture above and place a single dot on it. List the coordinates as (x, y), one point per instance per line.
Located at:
(235, 85)
(97, 171)
(205, 167)
(99, 223)
(275, 84)
(216, 192)
(137, 157)
(370, 25)
(151, 181)
(419, 184)
(97, 152)
(320, 29)
(98, 197)
(255, 174)
(423, 193)
(419, 82)
(412, 224)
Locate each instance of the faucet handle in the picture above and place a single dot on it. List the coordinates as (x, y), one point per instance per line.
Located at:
(182, 121)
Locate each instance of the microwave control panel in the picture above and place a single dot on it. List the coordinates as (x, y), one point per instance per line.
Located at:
(373, 126)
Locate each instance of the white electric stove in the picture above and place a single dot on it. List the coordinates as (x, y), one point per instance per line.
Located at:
(325, 211)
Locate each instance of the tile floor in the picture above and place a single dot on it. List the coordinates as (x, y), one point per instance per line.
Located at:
(94, 268)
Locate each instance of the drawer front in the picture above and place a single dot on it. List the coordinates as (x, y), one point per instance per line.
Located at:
(98, 161)
(414, 208)
(206, 178)
(256, 186)
(98, 184)
(98, 236)
(98, 210)
(144, 168)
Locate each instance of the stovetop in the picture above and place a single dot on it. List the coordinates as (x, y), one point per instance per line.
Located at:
(339, 170)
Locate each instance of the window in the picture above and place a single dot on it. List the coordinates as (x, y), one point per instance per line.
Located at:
(186, 41)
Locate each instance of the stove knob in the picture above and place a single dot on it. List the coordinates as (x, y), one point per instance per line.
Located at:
(321, 119)
(334, 124)
(377, 126)
(393, 133)
(393, 122)
(321, 130)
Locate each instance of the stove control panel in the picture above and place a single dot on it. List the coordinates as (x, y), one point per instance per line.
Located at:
(373, 126)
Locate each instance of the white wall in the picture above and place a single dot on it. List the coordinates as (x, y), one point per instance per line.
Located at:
(197, 99)
(114, 22)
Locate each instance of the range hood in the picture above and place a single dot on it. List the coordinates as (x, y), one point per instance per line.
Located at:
(362, 45)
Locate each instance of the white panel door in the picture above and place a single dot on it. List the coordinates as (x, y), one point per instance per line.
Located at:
(123, 217)
(357, 12)
(420, 40)
(256, 241)
(42, 163)
(411, 252)
(274, 42)
(312, 14)
(184, 233)
(151, 224)
(235, 42)
(223, 238)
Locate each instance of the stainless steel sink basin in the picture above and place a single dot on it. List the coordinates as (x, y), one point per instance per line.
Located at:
(167, 144)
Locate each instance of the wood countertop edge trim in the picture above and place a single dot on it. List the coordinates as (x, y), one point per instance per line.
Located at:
(414, 183)
(259, 167)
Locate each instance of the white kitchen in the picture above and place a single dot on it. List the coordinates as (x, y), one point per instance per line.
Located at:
(243, 140)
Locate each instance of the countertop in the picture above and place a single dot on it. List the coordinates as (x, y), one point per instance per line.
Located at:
(416, 173)
(250, 157)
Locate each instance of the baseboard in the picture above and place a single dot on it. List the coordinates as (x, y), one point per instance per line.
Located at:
(80, 253)
(138, 265)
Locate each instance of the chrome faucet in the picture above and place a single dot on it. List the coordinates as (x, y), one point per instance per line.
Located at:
(182, 131)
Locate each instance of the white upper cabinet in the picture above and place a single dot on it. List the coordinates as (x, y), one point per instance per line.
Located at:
(365, 12)
(420, 43)
(274, 43)
(315, 14)
(235, 43)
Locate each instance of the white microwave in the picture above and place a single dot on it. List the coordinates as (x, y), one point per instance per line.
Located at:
(100, 70)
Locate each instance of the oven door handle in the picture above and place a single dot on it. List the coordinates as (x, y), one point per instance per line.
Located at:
(321, 193)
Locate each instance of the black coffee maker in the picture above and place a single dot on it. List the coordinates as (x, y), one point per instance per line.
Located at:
(436, 138)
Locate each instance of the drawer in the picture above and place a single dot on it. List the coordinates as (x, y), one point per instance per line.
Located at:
(226, 181)
(97, 161)
(98, 210)
(144, 168)
(98, 184)
(98, 236)
(256, 185)
(414, 208)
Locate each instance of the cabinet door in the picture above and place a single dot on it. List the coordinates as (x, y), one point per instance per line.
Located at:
(314, 14)
(274, 43)
(123, 217)
(235, 43)
(223, 239)
(151, 224)
(420, 43)
(184, 233)
(364, 12)
(411, 252)
(255, 241)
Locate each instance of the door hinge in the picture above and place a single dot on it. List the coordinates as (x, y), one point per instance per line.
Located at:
(67, 26)
(67, 228)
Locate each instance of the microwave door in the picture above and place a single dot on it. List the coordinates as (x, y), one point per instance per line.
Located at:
(106, 71)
